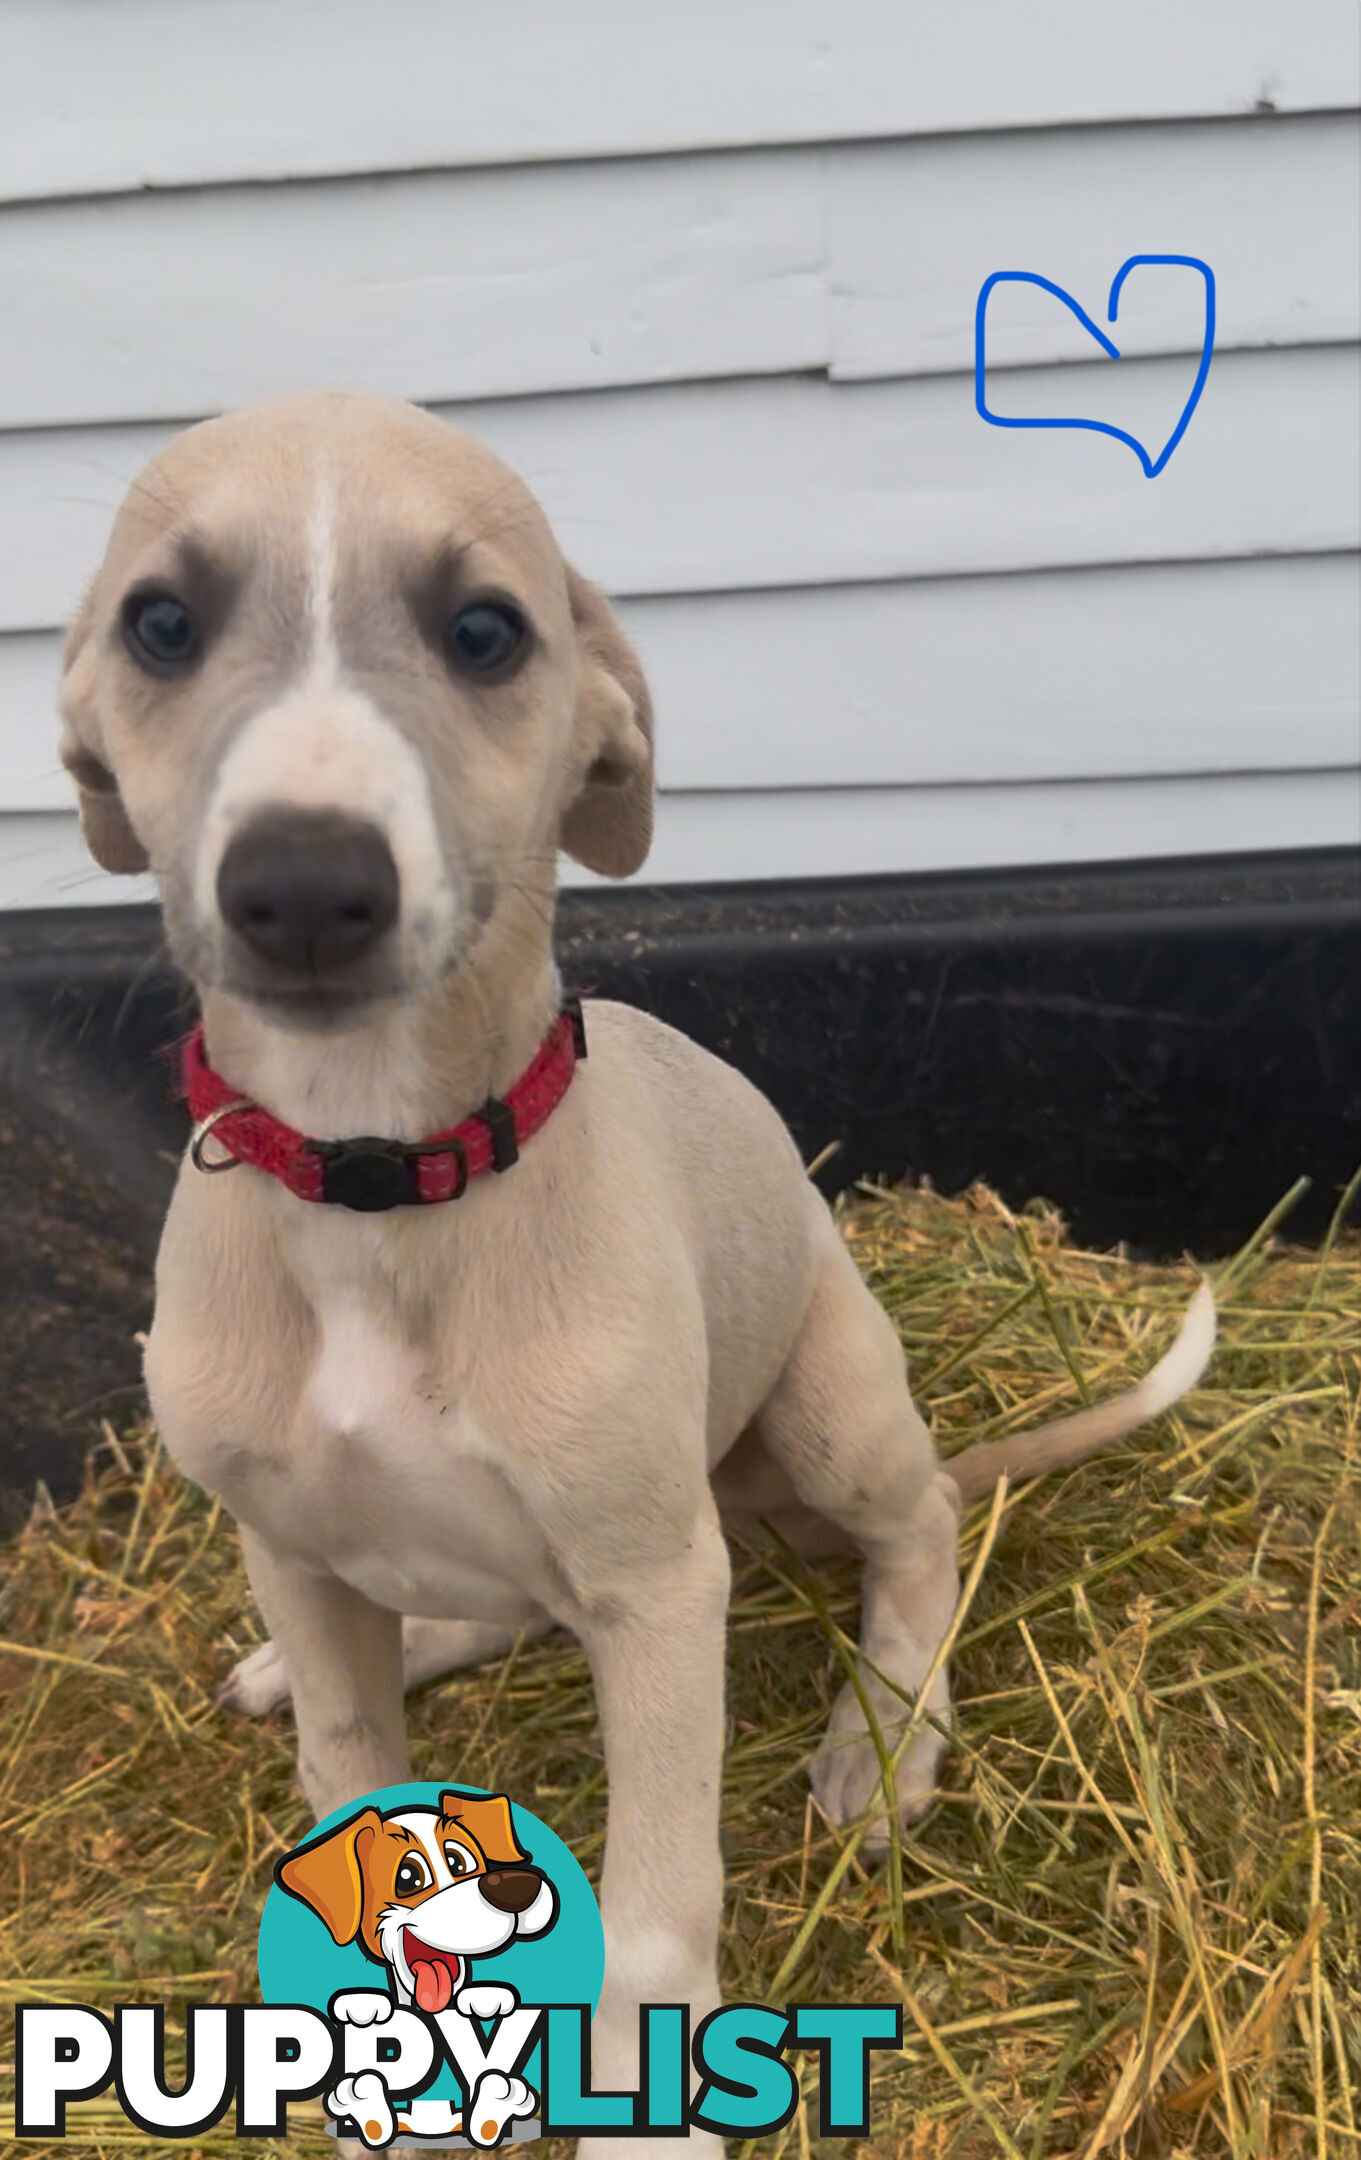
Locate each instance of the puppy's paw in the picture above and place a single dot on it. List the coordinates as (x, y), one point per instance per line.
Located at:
(361, 2006)
(258, 1684)
(485, 2000)
(497, 2100)
(365, 2098)
(846, 1775)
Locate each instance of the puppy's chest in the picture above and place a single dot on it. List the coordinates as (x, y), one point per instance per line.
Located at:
(369, 1381)
(378, 1368)
(392, 1474)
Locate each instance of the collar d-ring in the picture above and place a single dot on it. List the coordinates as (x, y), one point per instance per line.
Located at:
(204, 1130)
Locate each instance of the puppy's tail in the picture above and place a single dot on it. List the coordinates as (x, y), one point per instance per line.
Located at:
(1071, 1439)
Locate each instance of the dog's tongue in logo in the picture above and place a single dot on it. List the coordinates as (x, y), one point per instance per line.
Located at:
(434, 1972)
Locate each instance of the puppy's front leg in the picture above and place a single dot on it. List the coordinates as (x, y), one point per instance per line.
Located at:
(344, 1661)
(658, 1660)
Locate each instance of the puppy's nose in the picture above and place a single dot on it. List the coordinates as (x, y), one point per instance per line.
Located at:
(308, 890)
(511, 1889)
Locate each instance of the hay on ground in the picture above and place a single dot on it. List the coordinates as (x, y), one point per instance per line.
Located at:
(1130, 1923)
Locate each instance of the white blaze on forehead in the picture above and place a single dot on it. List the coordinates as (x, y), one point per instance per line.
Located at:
(434, 1834)
(325, 745)
(422, 1823)
(321, 573)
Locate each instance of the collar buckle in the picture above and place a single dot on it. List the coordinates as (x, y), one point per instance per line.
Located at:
(369, 1175)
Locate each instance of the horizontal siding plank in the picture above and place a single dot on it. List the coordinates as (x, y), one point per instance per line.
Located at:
(95, 98)
(1213, 667)
(433, 286)
(866, 261)
(43, 864)
(851, 832)
(869, 832)
(30, 776)
(1274, 208)
(797, 481)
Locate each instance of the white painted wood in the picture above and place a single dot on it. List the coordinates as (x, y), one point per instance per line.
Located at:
(915, 229)
(810, 566)
(433, 286)
(857, 832)
(851, 832)
(796, 481)
(867, 259)
(96, 97)
(43, 864)
(31, 778)
(1211, 667)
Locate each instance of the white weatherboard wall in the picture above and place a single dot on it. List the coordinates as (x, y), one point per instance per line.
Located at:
(707, 276)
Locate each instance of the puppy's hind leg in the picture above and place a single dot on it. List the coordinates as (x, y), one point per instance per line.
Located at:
(429, 1648)
(842, 1423)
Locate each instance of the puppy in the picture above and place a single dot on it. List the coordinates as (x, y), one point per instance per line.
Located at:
(424, 1890)
(479, 1329)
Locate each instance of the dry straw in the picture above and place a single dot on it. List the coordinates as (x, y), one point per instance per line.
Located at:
(1130, 1924)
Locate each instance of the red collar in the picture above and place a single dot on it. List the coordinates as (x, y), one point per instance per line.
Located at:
(371, 1175)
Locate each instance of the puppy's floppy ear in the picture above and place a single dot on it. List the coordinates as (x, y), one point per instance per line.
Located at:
(607, 825)
(489, 1823)
(328, 1874)
(104, 822)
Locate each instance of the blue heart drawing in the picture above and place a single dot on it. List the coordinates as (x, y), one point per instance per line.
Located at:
(1152, 466)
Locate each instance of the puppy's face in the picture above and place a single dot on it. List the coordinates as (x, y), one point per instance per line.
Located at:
(336, 685)
(424, 1889)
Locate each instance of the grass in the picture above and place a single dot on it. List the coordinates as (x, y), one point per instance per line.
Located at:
(1131, 1921)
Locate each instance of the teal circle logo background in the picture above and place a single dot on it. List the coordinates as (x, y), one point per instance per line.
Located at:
(299, 1963)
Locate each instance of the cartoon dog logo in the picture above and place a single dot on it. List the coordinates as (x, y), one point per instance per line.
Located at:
(423, 1891)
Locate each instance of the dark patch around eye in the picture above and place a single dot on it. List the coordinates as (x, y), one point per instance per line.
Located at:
(168, 619)
(482, 634)
(159, 631)
(486, 639)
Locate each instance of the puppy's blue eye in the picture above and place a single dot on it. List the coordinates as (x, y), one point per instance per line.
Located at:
(486, 638)
(160, 628)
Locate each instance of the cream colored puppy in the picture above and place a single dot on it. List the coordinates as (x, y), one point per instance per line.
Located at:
(336, 685)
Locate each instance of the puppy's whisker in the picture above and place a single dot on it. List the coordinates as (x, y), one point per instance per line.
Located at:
(155, 962)
(532, 900)
(494, 1030)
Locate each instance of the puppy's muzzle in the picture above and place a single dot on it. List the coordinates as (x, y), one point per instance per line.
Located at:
(511, 1889)
(308, 892)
